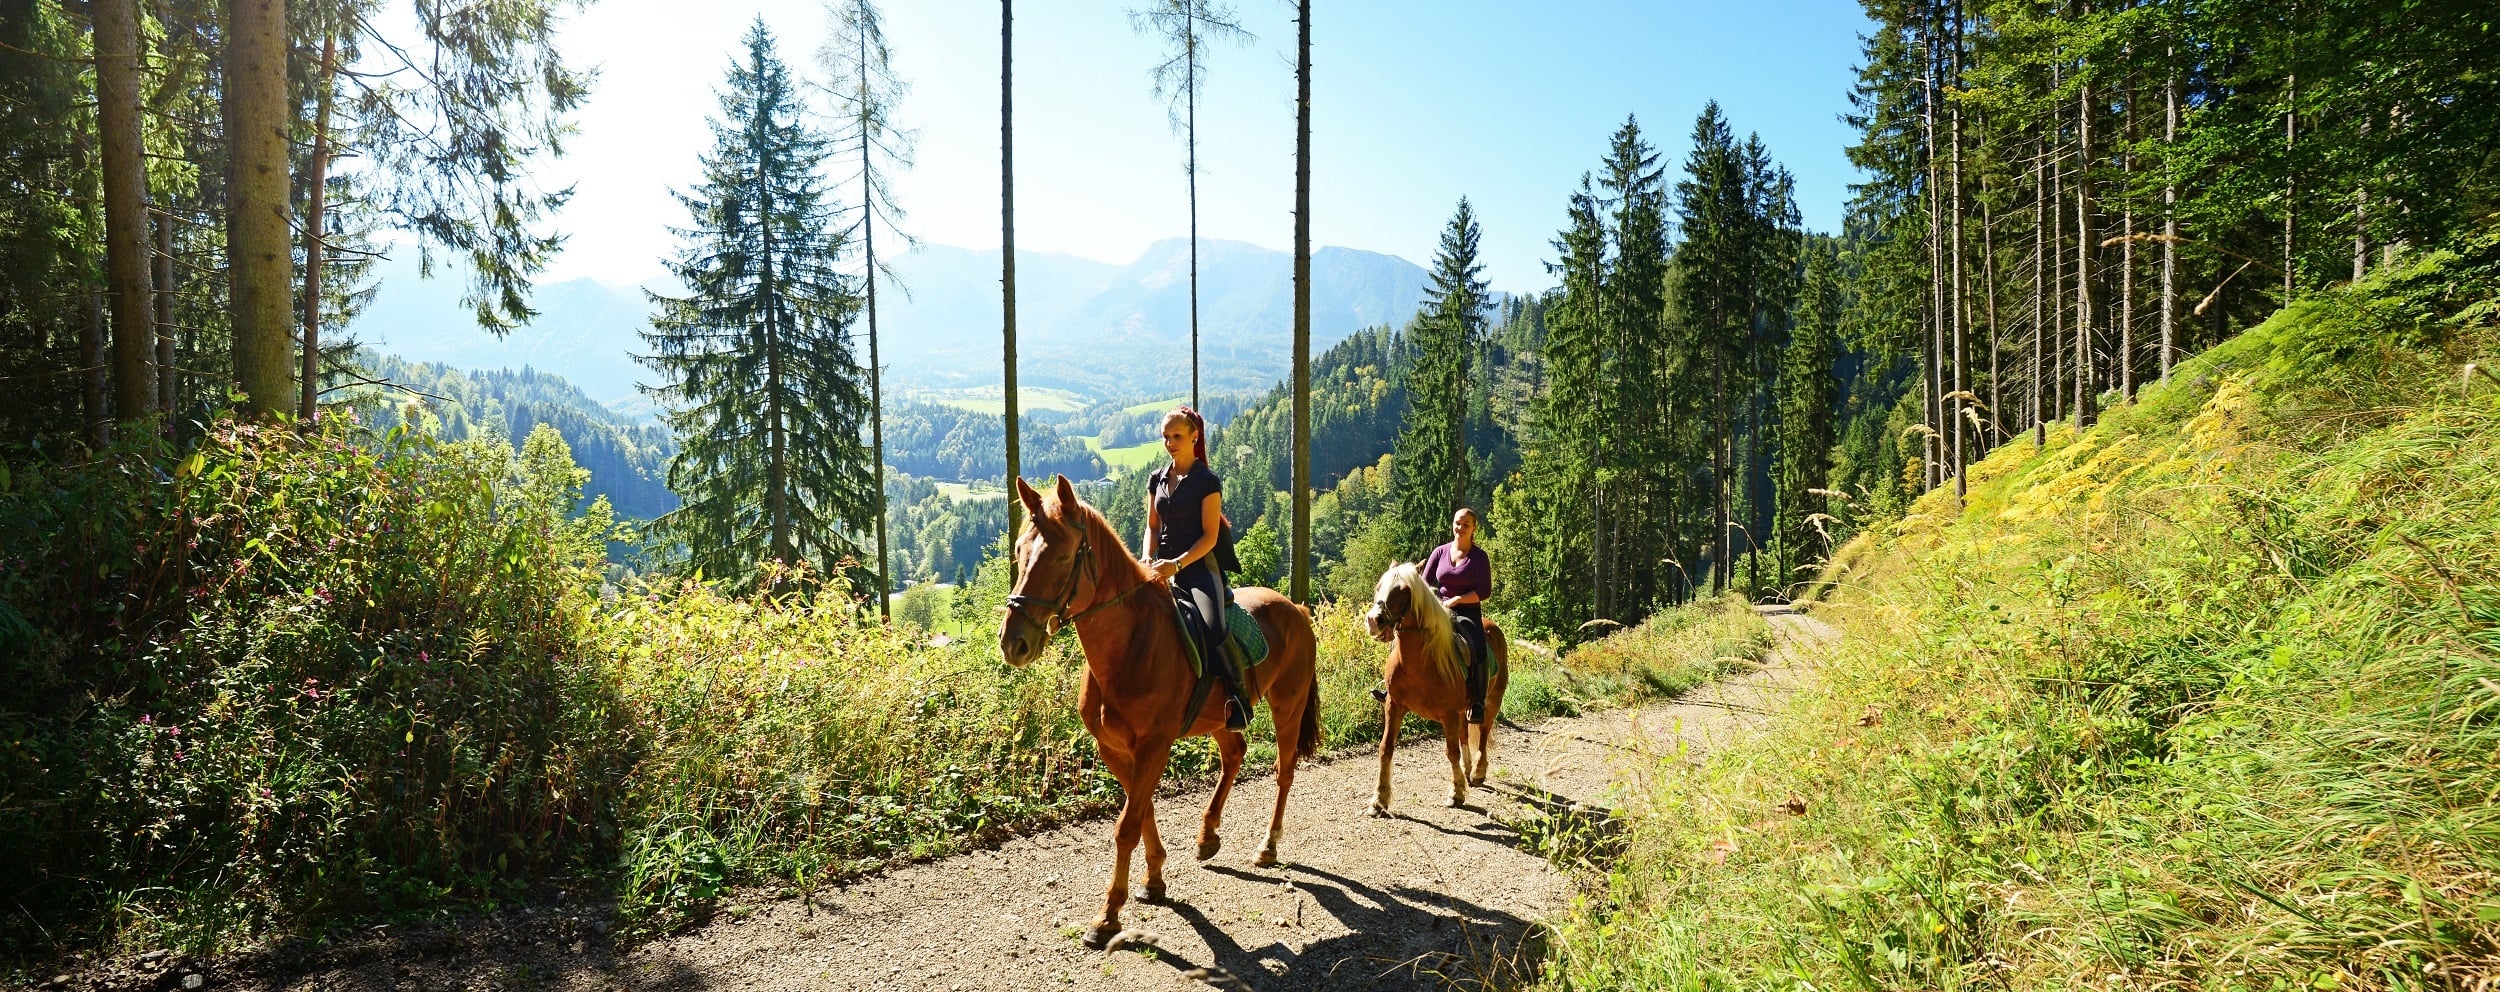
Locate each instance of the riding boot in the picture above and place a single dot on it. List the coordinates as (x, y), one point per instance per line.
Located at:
(1475, 684)
(1228, 671)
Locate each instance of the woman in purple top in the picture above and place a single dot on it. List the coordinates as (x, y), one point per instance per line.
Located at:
(1461, 575)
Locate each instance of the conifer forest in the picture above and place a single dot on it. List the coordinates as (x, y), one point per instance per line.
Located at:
(2046, 536)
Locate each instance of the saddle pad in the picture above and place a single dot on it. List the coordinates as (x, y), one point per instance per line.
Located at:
(1246, 634)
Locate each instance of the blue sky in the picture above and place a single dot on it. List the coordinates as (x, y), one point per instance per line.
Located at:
(1417, 104)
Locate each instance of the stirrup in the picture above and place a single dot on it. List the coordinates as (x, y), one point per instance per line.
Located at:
(1236, 713)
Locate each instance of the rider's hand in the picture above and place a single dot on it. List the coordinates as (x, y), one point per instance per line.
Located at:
(1164, 567)
(1450, 602)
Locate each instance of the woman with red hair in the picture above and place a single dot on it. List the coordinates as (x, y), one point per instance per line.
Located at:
(1184, 522)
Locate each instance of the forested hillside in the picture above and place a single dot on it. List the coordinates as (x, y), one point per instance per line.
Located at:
(958, 445)
(627, 458)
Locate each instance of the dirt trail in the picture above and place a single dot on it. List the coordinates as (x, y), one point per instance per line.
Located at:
(1430, 895)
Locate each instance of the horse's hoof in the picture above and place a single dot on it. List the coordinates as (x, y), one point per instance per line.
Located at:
(1100, 935)
(1457, 799)
(1379, 809)
(1154, 896)
(1208, 847)
(1477, 782)
(1267, 859)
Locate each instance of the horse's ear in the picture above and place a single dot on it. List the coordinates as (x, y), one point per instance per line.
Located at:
(1032, 500)
(1067, 496)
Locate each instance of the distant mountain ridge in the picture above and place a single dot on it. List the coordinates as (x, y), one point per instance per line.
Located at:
(1097, 328)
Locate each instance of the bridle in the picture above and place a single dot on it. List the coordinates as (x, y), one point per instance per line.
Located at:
(1052, 614)
(1407, 620)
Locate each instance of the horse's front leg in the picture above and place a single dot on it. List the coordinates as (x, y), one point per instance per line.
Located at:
(1150, 777)
(1454, 735)
(1393, 717)
(1135, 811)
(1233, 748)
(1484, 749)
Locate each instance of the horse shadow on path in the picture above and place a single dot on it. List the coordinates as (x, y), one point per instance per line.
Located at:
(1402, 937)
(1405, 936)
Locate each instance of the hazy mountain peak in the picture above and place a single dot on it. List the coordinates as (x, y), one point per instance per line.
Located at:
(1099, 328)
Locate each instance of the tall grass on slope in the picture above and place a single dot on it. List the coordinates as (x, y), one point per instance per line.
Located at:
(2206, 697)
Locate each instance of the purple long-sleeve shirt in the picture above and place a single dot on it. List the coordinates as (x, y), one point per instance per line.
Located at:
(1449, 575)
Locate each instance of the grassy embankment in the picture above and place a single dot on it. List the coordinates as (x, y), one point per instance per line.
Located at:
(1126, 458)
(2208, 696)
(992, 399)
(295, 681)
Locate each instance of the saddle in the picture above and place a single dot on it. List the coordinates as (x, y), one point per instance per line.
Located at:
(1242, 638)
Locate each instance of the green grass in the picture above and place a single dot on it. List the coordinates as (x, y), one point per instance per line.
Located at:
(1153, 406)
(991, 399)
(959, 492)
(2206, 697)
(1129, 458)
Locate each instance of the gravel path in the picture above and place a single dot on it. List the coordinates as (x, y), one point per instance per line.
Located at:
(1429, 898)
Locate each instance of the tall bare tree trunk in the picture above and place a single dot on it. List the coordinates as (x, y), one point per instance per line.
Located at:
(1189, 41)
(1961, 299)
(2083, 254)
(2039, 289)
(125, 206)
(1988, 293)
(93, 365)
(1935, 442)
(2126, 260)
(259, 255)
(2169, 223)
(168, 393)
(2057, 287)
(1301, 580)
(1007, 256)
(2361, 221)
(2291, 184)
(876, 368)
(317, 227)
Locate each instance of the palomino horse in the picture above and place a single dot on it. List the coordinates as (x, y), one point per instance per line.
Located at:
(1073, 569)
(1427, 673)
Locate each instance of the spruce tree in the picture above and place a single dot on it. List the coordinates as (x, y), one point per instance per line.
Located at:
(1714, 304)
(1809, 405)
(1431, 464)
(1639, 351)
(764, 394)
(1549, 505)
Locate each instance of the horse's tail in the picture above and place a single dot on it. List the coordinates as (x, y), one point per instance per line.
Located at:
(1309, 744)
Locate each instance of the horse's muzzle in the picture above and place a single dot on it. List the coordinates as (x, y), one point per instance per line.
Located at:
(1020, 641)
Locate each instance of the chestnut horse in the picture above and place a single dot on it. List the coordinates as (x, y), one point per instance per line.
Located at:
(1427, 673)
(1072, 568)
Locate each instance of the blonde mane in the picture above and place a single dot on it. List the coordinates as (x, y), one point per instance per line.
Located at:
(1431, 618)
